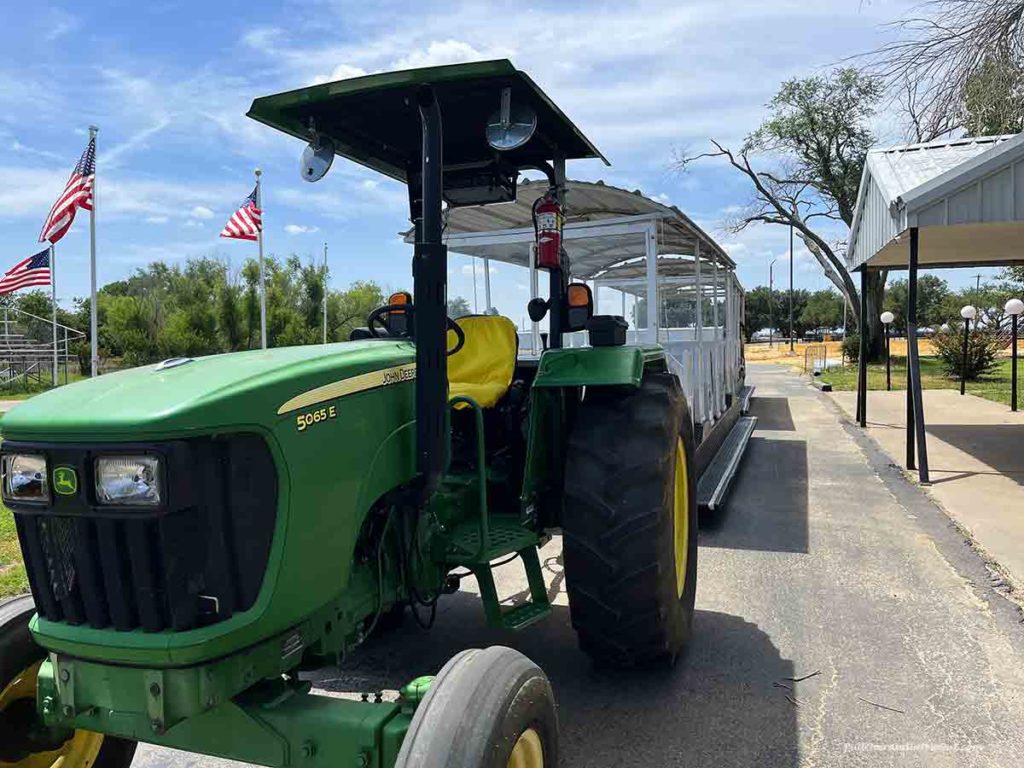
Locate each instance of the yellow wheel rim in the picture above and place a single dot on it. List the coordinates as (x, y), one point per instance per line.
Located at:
(80, 751)
(528, 751)
(681, 515)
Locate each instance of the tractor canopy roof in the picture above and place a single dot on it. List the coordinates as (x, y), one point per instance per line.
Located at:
(374, 120)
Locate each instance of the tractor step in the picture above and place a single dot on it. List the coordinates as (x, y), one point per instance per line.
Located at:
(505, 535)
(524, 615)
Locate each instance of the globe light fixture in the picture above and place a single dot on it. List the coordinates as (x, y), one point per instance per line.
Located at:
(968, 313)
(887, 318)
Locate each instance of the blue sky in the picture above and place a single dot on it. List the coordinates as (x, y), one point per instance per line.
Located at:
(169, 83)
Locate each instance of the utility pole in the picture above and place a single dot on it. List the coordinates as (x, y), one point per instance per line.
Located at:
(771, 304)
(791, 349)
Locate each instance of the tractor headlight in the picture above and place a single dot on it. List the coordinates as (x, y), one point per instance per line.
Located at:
(128, 480)
(25, 478)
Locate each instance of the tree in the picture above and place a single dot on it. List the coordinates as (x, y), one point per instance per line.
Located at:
(956, 64)
(458, 307)
(932, 293)
(759, 309)
(993, 99)
(823, 311)
(814, 142)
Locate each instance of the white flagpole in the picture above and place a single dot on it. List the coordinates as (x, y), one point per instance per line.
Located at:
(325, 292)
(263, 285)
(93, 324)
(53, 300)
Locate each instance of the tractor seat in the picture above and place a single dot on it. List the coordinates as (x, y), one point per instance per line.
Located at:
(483, 368)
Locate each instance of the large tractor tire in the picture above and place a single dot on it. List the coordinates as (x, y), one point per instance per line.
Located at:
(24, 743)
(630, 523)
(490, 708)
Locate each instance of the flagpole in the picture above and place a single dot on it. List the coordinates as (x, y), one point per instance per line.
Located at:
(53, 300)
(325, 292)
(94, 341)
(263, 285)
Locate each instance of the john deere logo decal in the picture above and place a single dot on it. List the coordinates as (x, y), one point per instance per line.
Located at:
(65, 481)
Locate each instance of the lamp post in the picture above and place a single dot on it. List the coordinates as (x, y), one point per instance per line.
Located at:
(1014, 308)
(968, 313)
(771, 304)
(887, 318)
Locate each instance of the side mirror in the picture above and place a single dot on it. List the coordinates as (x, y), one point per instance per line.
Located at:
(536, 309)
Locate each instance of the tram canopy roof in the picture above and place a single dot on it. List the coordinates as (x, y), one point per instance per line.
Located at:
(605, 226)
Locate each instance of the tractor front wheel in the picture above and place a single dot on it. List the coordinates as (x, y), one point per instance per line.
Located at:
(490, 708)
(24, 742)
(629, 523)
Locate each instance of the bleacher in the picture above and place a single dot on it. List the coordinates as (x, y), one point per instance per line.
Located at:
(26, 350)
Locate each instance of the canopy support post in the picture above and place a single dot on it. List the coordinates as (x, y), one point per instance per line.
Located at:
(914, 363)
(651, 259)
(534, 291)
(487, 286)
(698, 327)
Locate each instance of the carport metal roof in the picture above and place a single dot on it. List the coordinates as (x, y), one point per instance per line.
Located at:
(600, 232)
(966, 197)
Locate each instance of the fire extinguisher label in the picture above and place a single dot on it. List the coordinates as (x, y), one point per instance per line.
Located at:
(548, 221)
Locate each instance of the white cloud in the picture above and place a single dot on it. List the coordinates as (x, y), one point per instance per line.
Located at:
(17, 146)
(340, 72)
(156, 219)
(299, 229)
(440, 52)
(201, 212)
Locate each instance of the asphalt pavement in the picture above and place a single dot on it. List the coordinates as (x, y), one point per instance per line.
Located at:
(826, 564)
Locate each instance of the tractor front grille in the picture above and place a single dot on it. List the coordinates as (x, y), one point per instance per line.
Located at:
(185, 566)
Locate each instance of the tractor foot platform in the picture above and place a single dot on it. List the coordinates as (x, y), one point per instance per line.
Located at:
(716, 479)
(505, 536)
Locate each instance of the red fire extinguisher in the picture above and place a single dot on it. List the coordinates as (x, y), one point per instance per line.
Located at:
(547, 227)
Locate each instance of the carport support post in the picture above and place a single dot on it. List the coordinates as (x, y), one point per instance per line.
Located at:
(914, 363)
(862, 357)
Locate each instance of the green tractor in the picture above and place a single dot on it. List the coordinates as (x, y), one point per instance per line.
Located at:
(199, 533)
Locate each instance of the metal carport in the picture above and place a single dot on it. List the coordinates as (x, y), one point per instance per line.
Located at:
(949, 203)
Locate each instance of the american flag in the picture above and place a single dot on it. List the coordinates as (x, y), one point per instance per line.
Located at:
(35, 270)
(77, 194)
(246, 222)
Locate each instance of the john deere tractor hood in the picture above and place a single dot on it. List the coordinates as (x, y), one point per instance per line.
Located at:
(201, 395)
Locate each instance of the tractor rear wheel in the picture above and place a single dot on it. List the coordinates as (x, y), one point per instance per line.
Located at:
(490, 708)
(630, 523)
(24, 743)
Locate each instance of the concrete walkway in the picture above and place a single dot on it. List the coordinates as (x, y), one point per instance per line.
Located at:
(826, 563)
(976, 462)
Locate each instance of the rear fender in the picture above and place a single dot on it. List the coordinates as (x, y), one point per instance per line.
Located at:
(556, 390)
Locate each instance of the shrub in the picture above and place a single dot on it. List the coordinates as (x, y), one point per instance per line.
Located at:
(851, 347)
(983, 348)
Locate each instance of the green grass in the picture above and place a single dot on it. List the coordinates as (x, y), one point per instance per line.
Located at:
(12, 572)
(994, 386)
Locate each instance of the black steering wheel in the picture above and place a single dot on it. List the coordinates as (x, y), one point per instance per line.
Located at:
(377, 324)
